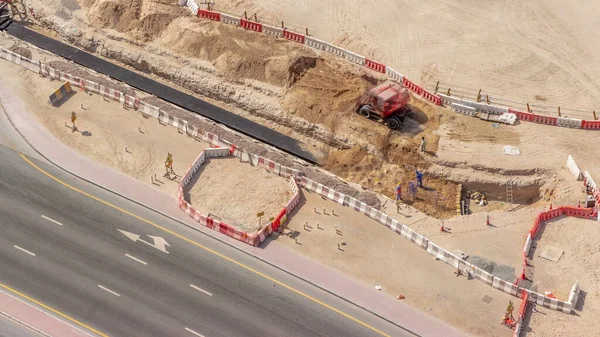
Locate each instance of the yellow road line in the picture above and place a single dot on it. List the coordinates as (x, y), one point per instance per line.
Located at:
(53, 310)
(206, 249)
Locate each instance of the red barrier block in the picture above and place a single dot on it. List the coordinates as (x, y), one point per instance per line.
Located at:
(431, 97)
(277, 221)
(375, 65)
(215, 16)
(595, 125)
(250, 25)
(524, 116)
(579, 212)
(296, 37)
(210, 222)
(543, 119)
(411, 86)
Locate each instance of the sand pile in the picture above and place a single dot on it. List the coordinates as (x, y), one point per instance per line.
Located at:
(141, 19)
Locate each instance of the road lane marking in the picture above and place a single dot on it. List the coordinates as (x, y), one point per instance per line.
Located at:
(110, 291)
(192, 242)
(51, 220)
(24, 250)
(34, 301)
(200, 289)
(194, 332)
(136, 259)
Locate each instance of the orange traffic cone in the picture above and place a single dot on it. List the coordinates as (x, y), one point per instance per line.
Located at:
(442, 229)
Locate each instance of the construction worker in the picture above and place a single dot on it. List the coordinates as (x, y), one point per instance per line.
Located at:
(412, 189)
(399, 191)
(419, 178)
(169, 165)
(423, 145)
(73, 119)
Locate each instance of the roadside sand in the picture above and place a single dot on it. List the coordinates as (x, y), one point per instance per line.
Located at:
(235, 192)
(377, 256)
(107, 133)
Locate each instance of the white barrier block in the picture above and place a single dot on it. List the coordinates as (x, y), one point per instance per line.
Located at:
(218, 152)
(353, 57)
(572, 166)
(568, 122)
(527, 245)
(315, 43)
(574, 295)
(483, 107)
(463, 109)
(394, 75)
(230, 19)
(448, 100)
(335, 50)
(30, 65)
(271, 30)
(194, 8)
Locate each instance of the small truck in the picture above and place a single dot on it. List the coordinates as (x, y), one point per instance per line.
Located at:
(386, 103)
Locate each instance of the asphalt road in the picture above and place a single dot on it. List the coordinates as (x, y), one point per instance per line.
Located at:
(67, 251)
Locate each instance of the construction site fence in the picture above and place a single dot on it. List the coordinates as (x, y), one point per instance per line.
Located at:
(225, 148)
(458, 103)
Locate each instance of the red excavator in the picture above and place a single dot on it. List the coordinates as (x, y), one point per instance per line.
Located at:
(387, 103)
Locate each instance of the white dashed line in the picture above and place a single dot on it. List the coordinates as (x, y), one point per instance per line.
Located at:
(24, 250)
(200, 289)
(51, 220)
(110, 291)
(136, 259)
(194, 332)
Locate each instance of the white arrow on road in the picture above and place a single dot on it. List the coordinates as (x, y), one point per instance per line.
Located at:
(159, 243)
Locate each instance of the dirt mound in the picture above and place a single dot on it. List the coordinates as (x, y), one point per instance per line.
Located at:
(239, 55)
(136, 17)
(21, 51)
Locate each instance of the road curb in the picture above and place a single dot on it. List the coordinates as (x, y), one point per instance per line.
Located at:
(29, 326)
(208, 235)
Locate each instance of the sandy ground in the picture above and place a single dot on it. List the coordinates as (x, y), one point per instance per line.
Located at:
(107, 133)
(235, 192)
(377, 256)
(536, 51)
(579, 262)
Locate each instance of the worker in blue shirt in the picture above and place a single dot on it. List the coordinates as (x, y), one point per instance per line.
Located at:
(419, 178)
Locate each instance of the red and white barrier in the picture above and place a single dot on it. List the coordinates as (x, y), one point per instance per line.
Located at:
(131, 102)
(314, 43)
(394, 75)
(569, 122)
(431, 97)
(230, 19)
(411, 86)
(251, 25)
(210, 15)
(292, 36)
(354, 58)
(593, 125)
(379, 67)
(274, 31)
